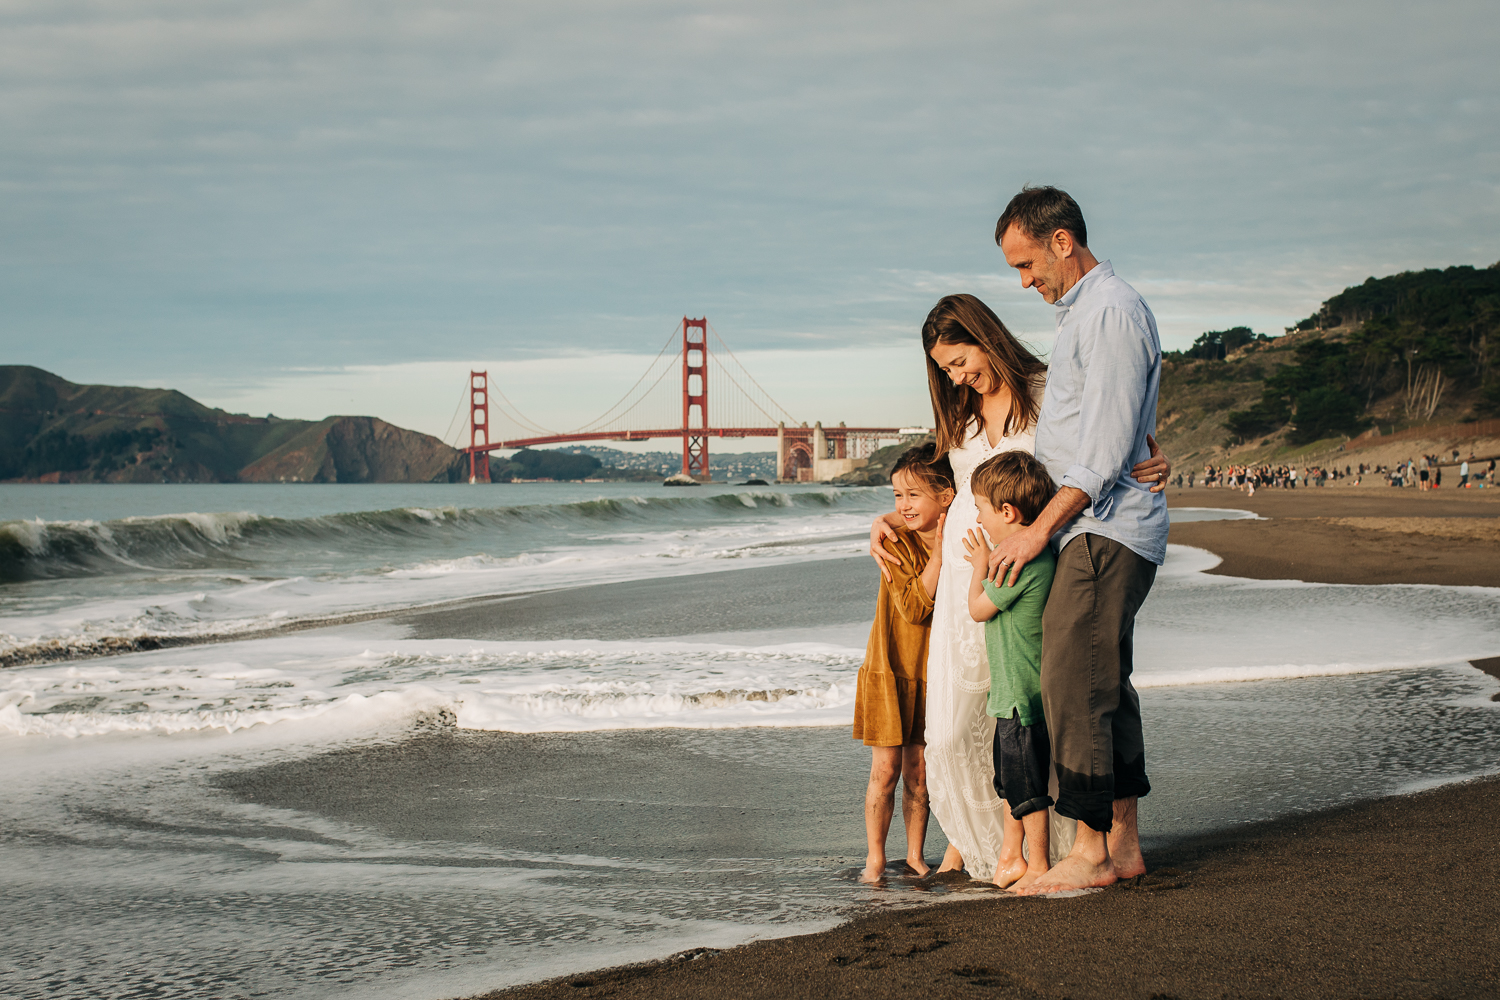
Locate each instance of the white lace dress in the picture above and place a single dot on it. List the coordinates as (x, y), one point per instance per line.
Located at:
(960, 733)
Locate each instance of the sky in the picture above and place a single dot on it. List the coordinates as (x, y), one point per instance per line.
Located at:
(324, 206)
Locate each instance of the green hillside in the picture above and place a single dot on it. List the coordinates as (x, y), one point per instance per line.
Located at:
(1401, 351)
(57, 430)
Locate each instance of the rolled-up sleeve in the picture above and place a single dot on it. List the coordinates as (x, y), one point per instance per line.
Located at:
(1117, 353)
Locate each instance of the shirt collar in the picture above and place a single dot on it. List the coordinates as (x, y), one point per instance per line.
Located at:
(1098, 272)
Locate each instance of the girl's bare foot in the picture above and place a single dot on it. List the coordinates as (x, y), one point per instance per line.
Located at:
(1009, 871)
(952, 861)
(918, 865)
(874, 870)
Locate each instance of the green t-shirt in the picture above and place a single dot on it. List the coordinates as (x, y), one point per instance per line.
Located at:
(1013, 641)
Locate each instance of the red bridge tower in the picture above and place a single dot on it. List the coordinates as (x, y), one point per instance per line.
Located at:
(479, 426)
(695, 397)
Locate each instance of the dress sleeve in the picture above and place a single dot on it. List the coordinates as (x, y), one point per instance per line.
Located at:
(907, 592)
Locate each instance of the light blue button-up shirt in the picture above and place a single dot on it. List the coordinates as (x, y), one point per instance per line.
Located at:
(1102, 382)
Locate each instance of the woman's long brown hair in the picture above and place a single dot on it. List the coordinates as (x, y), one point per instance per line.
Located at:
(963, 319)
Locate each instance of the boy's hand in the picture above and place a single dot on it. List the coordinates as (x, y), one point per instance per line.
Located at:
(976, 547)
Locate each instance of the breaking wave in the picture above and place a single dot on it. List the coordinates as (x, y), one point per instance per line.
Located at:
(243, 541)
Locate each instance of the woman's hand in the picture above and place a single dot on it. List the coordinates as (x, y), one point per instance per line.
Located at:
(879, 532)
(1154, 470)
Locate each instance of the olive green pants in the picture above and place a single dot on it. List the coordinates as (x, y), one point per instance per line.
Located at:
(1093, 712)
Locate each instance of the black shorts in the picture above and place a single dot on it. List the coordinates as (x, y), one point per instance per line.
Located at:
(1023, 759)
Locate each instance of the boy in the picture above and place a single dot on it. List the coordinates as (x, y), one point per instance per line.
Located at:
(1010, 490)
(890, 702)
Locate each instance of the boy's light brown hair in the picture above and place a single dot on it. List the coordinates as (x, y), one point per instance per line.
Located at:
(927, 466)
(1016, 478)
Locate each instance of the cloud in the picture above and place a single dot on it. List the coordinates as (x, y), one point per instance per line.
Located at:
(188, 190)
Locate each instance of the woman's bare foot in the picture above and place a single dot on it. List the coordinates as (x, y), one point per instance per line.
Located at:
(1072, 872)
(1009, 871)
(952, 860)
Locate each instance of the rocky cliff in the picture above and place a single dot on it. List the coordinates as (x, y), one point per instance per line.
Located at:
(358, 450)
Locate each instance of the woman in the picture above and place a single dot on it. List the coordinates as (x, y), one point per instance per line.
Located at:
(986, 393)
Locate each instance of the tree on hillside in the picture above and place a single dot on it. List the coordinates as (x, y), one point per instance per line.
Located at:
(1216, 345)
(1313, 394)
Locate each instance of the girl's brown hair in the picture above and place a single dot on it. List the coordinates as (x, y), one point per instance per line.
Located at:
(963, 319)
(927, 465)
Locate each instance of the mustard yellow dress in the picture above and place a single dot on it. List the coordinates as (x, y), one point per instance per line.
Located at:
(890, 701)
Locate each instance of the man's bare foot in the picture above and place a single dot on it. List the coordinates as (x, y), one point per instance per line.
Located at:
(1029, 879)
(952, 861)
(1072, 872)
(1009, 871)
(1125, 841)
(918, 866)
(1129, 862)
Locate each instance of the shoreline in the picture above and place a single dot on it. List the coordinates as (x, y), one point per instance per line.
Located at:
(1401, 901)
(1343, 535)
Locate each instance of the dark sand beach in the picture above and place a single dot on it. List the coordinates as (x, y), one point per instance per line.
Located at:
(1397, 898)
(1392, 897)
(1354, 535)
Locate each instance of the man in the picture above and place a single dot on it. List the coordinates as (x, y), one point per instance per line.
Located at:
(1110, 531)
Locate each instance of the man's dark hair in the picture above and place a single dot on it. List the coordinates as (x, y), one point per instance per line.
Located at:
(1041, 211)
(925, 464)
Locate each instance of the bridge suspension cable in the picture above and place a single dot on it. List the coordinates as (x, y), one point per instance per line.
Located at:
(773, 418)
(601, 422)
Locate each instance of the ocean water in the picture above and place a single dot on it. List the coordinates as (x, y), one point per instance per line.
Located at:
(296, 796)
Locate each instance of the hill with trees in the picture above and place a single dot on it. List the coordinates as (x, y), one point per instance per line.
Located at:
(59, 431)
(1395, 352)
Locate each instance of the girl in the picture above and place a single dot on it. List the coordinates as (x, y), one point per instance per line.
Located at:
(891, 700)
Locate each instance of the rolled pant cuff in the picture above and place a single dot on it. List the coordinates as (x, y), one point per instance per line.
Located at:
(1097, 809)
(1030, 806)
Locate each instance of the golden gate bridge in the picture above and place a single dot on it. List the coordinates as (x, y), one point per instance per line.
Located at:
(656, 406)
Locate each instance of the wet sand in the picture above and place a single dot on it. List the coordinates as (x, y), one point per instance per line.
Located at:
(1398, 897)
(812, 595)
(1350, 535)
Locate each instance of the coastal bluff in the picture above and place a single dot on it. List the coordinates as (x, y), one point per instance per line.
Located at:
(53, 430)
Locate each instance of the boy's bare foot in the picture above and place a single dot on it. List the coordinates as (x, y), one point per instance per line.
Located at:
(1010, 871)
(952, 860)
(1072, 872)
(1029, 879)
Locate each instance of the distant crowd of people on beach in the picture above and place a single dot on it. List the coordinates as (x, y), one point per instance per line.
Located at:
(1424, 473)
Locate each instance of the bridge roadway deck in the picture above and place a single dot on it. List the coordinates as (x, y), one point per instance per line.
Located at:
(830, 433)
